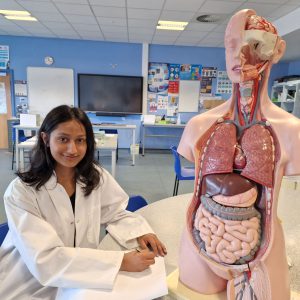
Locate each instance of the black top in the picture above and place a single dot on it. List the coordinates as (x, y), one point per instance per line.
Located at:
(72, 198)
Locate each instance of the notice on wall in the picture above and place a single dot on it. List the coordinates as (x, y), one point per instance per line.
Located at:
(206, 85)
(189, 96)
(4, 57)
(153, 107)
(224, 85)
(173, 87)
(162, 102)
(209, 72)
(21, 88)
(196, 72)
(158, 78)
(174, 70)
(3, 107)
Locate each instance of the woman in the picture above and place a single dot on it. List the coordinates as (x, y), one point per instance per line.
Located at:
(55, 210)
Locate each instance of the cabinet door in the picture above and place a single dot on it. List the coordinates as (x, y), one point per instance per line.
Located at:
(5, 109)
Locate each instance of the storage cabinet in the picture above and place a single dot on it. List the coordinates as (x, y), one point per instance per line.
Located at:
(287, 96)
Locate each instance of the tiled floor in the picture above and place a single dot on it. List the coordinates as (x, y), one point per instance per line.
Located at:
(153, 178)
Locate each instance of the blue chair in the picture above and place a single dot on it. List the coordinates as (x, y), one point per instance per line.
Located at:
(182, 173)
(22, 138)
(136, 202)
(3, 232)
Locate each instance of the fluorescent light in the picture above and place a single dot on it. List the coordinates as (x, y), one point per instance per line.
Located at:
(21, 18)
(171, 25)
(14, 12)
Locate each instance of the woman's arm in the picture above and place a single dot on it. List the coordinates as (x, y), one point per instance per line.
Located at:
(44, 253)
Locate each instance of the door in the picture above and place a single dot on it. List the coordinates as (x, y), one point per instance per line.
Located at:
(5, 109)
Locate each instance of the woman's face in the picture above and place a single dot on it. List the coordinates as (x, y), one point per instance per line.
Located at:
(67, 143)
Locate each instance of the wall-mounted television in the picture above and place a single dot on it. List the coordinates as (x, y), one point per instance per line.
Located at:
(110, 94)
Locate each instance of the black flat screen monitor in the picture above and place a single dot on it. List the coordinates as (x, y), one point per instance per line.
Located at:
(109, 94)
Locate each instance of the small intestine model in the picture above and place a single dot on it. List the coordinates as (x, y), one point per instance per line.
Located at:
(241, 149)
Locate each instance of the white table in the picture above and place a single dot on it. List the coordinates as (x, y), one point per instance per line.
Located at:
(108, 142)
(167, 219)
(22, 127)
(119, 126)
(158, 125)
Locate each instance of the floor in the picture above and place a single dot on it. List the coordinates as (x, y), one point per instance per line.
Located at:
(153, 178)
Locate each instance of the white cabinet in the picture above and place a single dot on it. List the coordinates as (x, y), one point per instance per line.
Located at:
(287, 96)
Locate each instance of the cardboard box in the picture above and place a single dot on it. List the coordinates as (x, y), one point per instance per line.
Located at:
(211, 103)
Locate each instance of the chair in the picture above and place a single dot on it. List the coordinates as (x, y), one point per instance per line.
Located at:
(3, 232)
(182, 173)
(22, 138)
(136, 202)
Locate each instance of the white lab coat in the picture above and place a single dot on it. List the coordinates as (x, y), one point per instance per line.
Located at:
(38, 254)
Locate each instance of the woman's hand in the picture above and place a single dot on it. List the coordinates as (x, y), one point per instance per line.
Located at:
(137, 261)
(150, 241)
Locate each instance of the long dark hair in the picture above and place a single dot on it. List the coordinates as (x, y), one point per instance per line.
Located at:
(43, 164)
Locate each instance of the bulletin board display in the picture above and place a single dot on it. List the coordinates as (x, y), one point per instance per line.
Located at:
(48, 88)
(175, 88)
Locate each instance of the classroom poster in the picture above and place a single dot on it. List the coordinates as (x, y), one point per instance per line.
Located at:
(224, 85)
(173, 87)
(162, 102)
(151, 97)
(185, 72)
(209, 72)
(174, 70)
(206, 85)
(153, 107)
(4, 57)
(158, 78)
(196, 71)
(3, 108)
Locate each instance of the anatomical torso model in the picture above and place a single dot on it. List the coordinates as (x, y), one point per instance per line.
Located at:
(241, 149)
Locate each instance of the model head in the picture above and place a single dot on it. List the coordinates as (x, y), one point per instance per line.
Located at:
(252, 44)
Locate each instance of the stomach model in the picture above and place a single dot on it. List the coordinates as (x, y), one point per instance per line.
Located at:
(230, 214)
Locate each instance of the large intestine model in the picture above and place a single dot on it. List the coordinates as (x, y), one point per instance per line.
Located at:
(241, 149)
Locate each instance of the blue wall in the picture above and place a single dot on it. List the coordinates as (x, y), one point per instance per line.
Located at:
(115, 58)
(294, 68)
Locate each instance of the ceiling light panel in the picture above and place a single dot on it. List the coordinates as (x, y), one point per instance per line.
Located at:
(21, 18)
(171, 25)
(14, 12)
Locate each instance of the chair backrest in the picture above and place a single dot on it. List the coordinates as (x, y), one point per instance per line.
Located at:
(110, 131)
(3, 232)
(136, 202)
(177, 163)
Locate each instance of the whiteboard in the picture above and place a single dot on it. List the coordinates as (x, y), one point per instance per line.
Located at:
(189, 95)
(48, 88)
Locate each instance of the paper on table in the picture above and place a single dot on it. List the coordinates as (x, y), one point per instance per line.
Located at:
(145, 285)
(149, 119)
(27, 120)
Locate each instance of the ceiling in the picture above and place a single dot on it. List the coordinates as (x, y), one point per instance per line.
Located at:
(135, 20)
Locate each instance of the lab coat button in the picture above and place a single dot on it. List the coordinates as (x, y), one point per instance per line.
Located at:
(72, 223)
(77, 221)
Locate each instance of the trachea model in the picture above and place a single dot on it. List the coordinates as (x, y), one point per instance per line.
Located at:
(233, 238)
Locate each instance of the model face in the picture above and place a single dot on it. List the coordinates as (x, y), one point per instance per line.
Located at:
(67, 144)
(233, 44)
(247, 51)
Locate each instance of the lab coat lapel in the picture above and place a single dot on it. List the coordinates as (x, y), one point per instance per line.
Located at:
(63, 207)
(81, 215)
